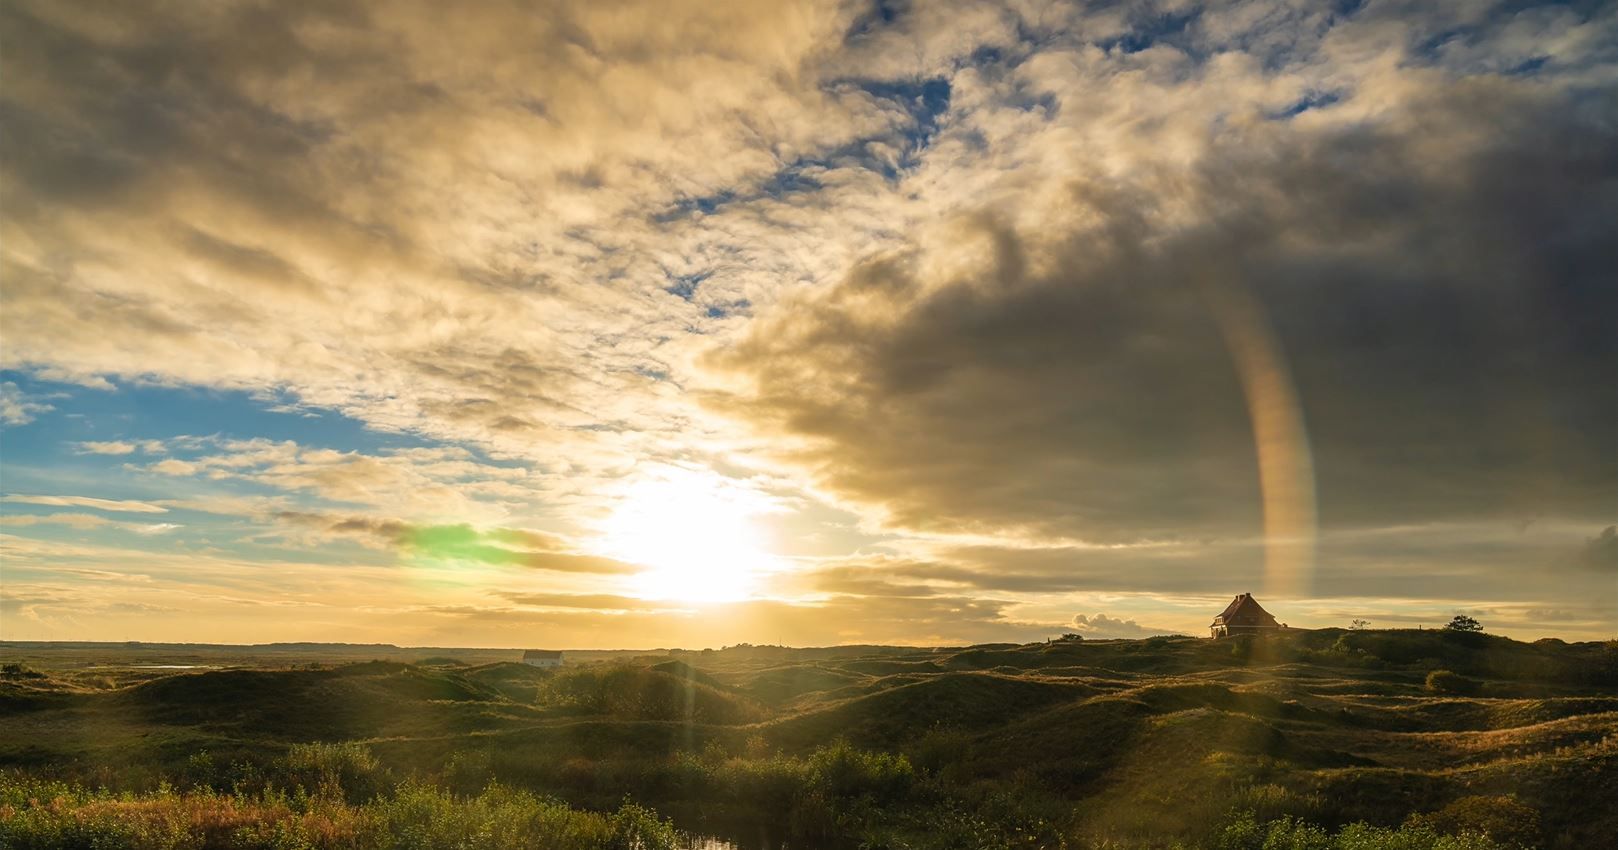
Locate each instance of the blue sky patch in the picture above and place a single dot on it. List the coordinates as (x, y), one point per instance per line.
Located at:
(1172, 28)
(1312, 100)
(685, 286)
(881, 13)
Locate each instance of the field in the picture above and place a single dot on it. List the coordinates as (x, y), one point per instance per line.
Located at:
(1328, 738)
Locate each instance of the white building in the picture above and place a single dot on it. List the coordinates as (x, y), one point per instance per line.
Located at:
(542, 657)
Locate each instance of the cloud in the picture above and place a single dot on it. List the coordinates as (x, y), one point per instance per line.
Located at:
(175, 467)
(462, 542)
(113, 447)
(1601, 551)
(867, 579)
(588, 601)
(18, 408)
(1103, 626)
(506, 547)
(418, 481)
(124, 505)
(843, 619)
(960, 275)
(85, 522)
(380, 532)
(1069, 375)
(120, 447)
(316, 175)
(79, 521)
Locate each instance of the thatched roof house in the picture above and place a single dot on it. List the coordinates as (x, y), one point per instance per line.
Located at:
(1243, 616)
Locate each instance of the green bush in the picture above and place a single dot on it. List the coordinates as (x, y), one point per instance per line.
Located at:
(840, 770)
(346, 770)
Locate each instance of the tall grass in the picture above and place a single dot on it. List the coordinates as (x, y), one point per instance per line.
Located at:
(1244, 832)
(38, 815)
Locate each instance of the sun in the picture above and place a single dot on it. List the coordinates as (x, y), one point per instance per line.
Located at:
(696, 534)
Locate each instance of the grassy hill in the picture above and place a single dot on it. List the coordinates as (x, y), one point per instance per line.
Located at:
(1140, 743)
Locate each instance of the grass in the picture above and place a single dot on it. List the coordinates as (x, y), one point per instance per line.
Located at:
(1158, 743)
(37, 815)
(46, 816)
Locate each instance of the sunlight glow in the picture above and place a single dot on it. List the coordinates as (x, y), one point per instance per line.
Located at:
(696, 533)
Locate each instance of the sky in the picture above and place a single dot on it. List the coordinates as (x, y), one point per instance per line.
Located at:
(683, 324)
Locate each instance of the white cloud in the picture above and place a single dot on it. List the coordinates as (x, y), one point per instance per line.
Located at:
(1103, 626)
(85, 522)
(125, 505)
(18, 408)
(174, 466)
(112, 447)
(439, 483)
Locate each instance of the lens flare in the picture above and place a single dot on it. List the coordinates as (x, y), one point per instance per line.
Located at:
(1285, 463)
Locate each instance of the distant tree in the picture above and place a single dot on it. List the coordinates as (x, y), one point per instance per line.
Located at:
(1359, 625)
(1463, 623)
(1072, 636)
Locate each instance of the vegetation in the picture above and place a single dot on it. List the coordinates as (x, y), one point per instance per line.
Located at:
(1288, 833)
(1330, 739)
(46, 816)
(1450, 684)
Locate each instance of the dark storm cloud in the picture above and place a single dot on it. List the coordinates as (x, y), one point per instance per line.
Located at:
(1440, 279)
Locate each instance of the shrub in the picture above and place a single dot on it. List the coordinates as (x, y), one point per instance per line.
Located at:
(1446, 682)
(1502, 819)
(772, 783)
(18, 670)
(468, 771)
(942, 748)
(840, 770)
(638, 828)
(346, 770)
(1245, 832)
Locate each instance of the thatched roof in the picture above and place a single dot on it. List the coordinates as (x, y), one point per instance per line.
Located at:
(1244, 610)
(542, 655)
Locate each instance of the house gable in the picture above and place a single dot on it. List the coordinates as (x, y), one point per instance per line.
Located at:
(1243, 613)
